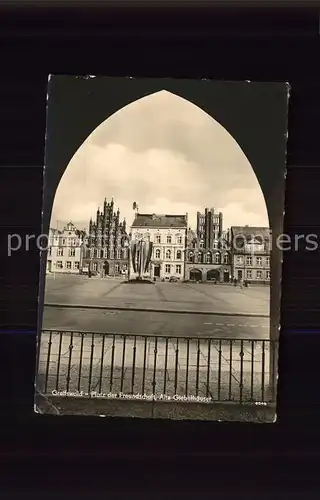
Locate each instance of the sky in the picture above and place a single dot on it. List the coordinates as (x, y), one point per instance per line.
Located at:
(168, 156)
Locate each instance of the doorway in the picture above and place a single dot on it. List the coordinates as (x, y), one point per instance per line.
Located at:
(240, 274)
(226, 277)
(106, 268)
(156, 271)
(195, 275)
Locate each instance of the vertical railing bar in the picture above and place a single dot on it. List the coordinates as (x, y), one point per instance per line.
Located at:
(219, 370)
(102, 360)
(241, 371)
(112, 361)
(48, 363)
(91, 363)
(155, 365)
(176, 367)
(59, 360)
(69, 362)
(198, 363)
(274, 347)
(39, 351)
(230, 369)
(133, 364)
(144, 364)
(208, 368)
(165, 367)
(187, 367)
(252, 369)
(123, 362)
(80, 362)
(262, 374)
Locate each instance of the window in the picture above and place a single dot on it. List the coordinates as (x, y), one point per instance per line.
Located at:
(217, 258)
(259, 261)
(72, 252)
(60, 252)
(169, 239)
(168, 268)
(268, 261)
(168, 254)
(226, 258)
(49, 251)
(116, 267)
(68, 264)
(201, 245)
(249, 261)
(208, 258)
(268, 275)
(95, 266)
(259, 275)
(249, 274)
(191, 257)
(239, 259)
(158, 238)
(76, 264)
(179, 239)
(199, 256)
(63, 242)
(59, 264)
(179, 254)
(157, 253)
(178, 269)
(119, 254)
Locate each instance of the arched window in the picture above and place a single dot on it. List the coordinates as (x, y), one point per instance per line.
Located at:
(200, 256)
(217, 258)
(157, 253)
(226, 258)
(208, 258)
(179, 254)
(168, 254)
(191, 257)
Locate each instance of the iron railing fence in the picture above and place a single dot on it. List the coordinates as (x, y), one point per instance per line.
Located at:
(108, 365)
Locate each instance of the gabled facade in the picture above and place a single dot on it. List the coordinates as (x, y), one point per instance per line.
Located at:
(168, 233)
(251, 250)
(65, 250)
(105, 253)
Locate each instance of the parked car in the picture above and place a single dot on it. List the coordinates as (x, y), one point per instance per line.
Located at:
(173, 279)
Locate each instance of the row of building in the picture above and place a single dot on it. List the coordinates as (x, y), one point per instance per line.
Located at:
(206, 254)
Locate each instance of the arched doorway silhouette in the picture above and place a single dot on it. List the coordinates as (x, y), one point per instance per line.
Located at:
(139, 93)
(195, 274)
(156, 106)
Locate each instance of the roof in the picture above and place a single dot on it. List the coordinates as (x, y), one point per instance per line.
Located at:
(160, 221)
(250, 231)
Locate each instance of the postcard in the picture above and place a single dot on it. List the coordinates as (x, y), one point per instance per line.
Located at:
(160, 280)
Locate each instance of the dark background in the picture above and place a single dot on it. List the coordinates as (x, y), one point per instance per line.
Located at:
(90, 454)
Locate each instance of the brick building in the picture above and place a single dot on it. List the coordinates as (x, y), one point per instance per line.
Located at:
(207, 255)
(104, 252)
(251, 253)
